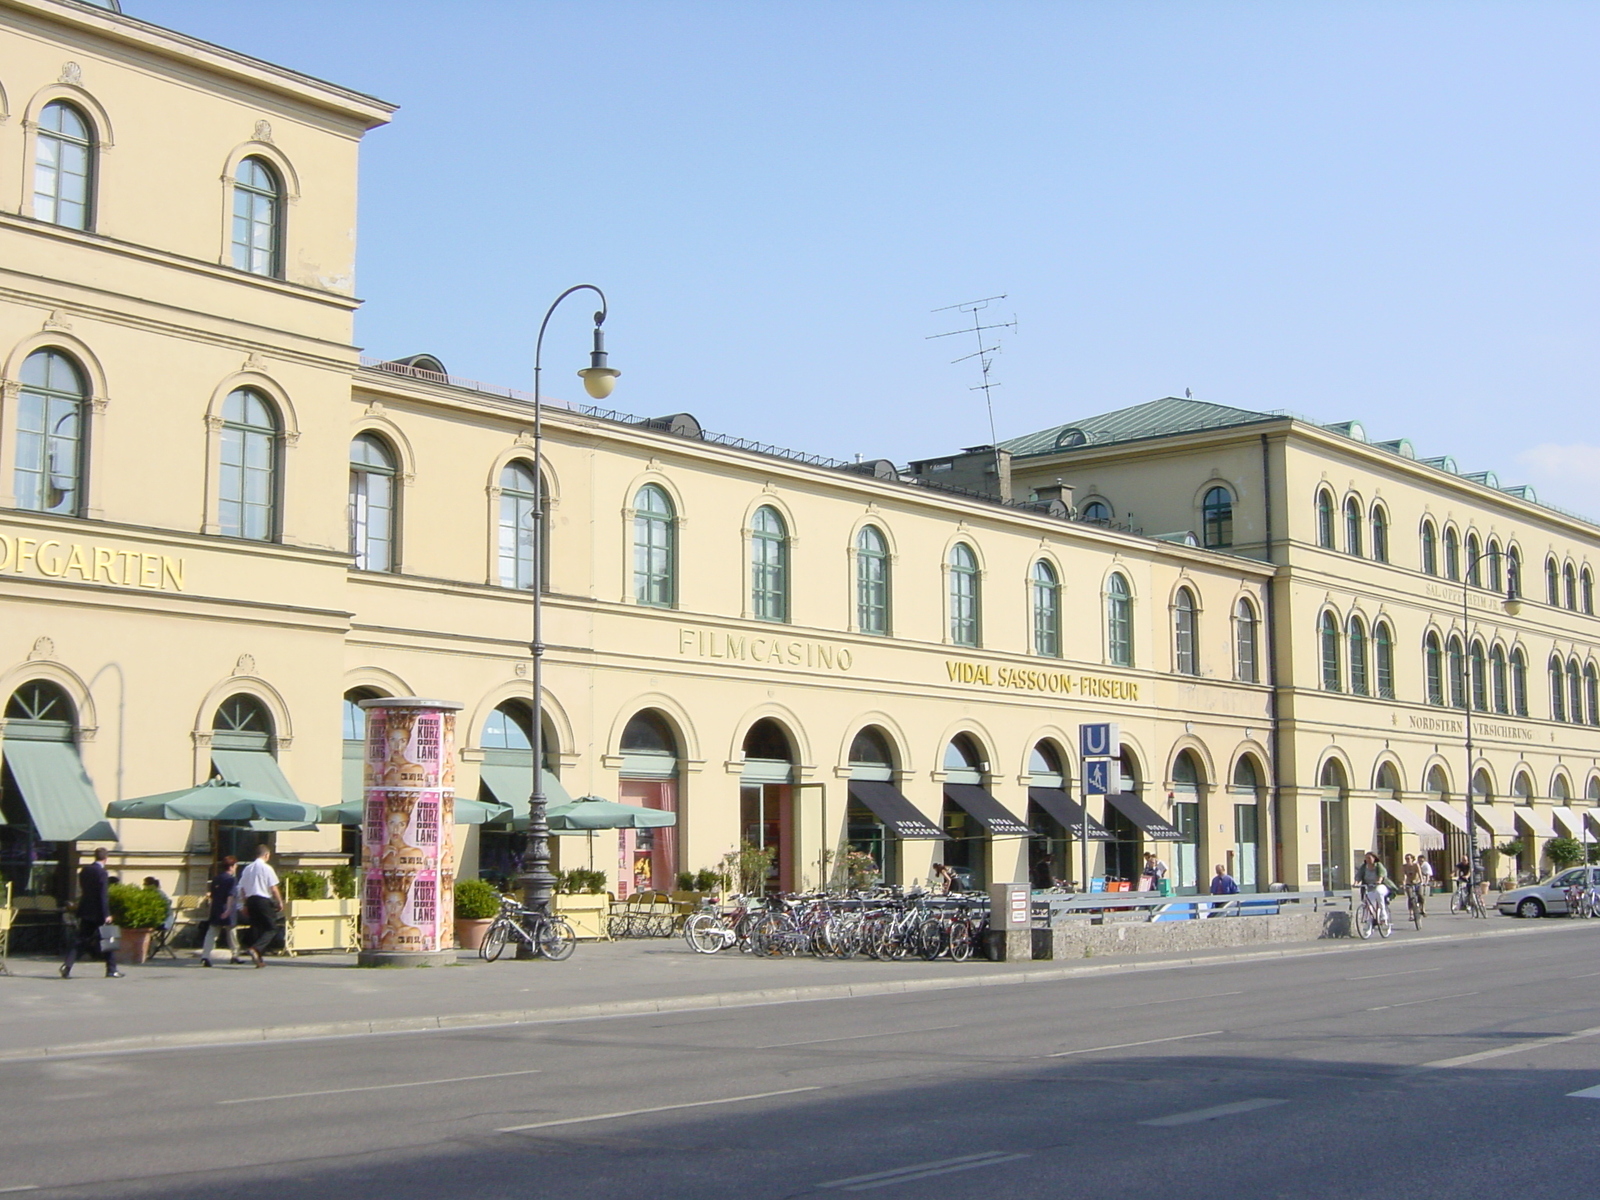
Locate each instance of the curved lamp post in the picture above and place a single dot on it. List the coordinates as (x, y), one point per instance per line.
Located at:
(1511, 603)
(598, 380)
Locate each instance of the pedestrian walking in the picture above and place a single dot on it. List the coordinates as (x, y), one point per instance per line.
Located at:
(224, 913)
(1223, 884)
(94, 914)
(258, 886)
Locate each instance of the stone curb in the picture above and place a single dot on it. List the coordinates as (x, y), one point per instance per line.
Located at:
(744, 999)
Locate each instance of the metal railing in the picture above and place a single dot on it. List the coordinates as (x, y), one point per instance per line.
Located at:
(1152, 906)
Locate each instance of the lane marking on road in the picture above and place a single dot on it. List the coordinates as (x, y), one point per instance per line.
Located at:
(1181, 999)
(1588, 1093)
(1426, 1000)
(21, 1187)
(377, 1087)
(1386, 974)
(1212, 1113)
(943, 1166)
(1129, 1045)
(1590, 975)
(639, 1112)
(1463, 1059)
(851, 1037)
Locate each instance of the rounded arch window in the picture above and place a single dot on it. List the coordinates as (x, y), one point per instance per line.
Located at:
(649, 747)
(1046, 598)
(1569, 579)
(1185, 657)
(248, 484)
(1388, 779)
(1246, 660)
(1325, 519)
(1437, 782)
(1430, 549)
(1522, 788)
(654, 548)
(1560, 792)
(1096, 512)
(1352, 526)
(257, 233)
(1592, 792)
(509, 727)
(1128, 765)
(1185, 773)
(1383, 659)
(965, 610)
(521, 500)
(1330, 652)
(766, 740)
(1498, 682)
(1119, 621)
(1246, 776)
(1552, 582)
(50, 434)
(1479, 670)
(1358, 656)
(769, 565)
(1456, 654)
(1474, 560)
(1586, 586)
(872, 581)
(1045, 767)
(1558, 690)
(871, 756)
(963, 760)
(1333, 776)
(1380, 534)
(41, 709)
(1496, 563)
(1216, 513)
(1519, 682)
(1452, 554)
(64, 167)
(355, 717)
(1433, 668)
(372, 510)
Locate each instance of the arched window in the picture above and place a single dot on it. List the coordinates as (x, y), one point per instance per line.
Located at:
(1560, 790)
(257, 219)
(509, 727)
(1452, 554)
(1458, 673)
(1046, 589)
(1569, 578)
(1352, 526)
(1586, 586)
(1497, 668)
(1513, 572)
(1591, 694)
(41, 702)
(1474, 560)
(769, 565)
(1480, 678)
(1552, 582)
(1119, 622)
(50, 429)
(248, 486)
(963, 761)
(1044, 766)
(1437, 782)
(245, 714)
(1358, 657)
(1519, 682)
(1558, 690)
(965, 614)
(1383, 659)
(1496, 567)
(872, 581)
(1184, 656)
(1245, 659)
(1245, 776)
(1433, 668)
(1522, 788)
(1380, 534)
(1330, 652)
(1430, 549)
(519, 530)
(1482, 790)
(871, 756)
(63, 167)
(1097, 512)
(655, 565)
(1388, 779)
(1217, 518)
(1325, 519)
(1574, 692)
(372, 504)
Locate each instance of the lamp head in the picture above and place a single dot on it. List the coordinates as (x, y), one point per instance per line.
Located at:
(598, 378)
(1512, 604)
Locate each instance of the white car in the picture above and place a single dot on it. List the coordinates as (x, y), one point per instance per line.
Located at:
(1548, 897)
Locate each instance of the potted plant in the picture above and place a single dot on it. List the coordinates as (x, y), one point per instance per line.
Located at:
(695, 886)
(477, 902)
(581, 898)
(313, 920)
(139, 912)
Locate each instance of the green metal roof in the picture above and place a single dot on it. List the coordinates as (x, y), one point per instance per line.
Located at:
(1155, 419)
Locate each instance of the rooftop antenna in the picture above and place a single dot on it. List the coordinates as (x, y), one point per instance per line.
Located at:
(985, 356)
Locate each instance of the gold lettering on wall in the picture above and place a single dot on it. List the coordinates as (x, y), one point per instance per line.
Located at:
(92, 564)
(1028, 679)
(763, 649)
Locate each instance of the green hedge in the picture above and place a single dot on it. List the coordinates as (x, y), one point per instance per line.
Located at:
(137, 907)
(476, 900)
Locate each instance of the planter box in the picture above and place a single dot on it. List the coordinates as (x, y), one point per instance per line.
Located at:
(321, 925)
(469, 932)
(135, 945)
(587, 913)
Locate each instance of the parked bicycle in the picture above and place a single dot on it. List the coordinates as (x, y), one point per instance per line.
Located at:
(546, 936)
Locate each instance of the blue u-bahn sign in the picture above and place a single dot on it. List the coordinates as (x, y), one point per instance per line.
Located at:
(1102, 740)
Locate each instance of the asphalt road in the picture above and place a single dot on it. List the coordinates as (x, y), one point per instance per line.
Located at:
(1424, 1071)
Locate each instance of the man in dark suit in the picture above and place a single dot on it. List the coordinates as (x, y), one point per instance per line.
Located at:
(94, 911)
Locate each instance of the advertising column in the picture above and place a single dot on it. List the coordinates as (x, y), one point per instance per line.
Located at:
(407, 833)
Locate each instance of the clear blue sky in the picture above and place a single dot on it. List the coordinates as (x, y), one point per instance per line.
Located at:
(1379, 211)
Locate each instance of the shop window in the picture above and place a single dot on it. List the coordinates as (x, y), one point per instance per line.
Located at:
(654, 548)
(1046, 596)
(1246, 662)
(1383, 659)
(1185, 658)
(872, 581)
(64, 167)
(257, 219)
(964, 596)
(1216, 513)
(372, 510)
(51, 412)
(248, 486)
(769, 565)
(1119, 622)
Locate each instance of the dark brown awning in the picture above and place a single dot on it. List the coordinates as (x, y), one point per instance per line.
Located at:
(985, 809)
(901, 817)
(1068, 812)
(1146, 818)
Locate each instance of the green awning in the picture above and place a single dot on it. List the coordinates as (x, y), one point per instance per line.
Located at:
(511, 785)
(255, 770)
(58, 794)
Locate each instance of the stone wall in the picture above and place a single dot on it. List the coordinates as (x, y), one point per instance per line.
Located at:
(1081, 939)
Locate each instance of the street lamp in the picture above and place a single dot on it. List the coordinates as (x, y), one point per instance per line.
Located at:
(598, 380)
(1512, 605)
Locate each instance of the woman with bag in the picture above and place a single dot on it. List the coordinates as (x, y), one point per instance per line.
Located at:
(224, 911)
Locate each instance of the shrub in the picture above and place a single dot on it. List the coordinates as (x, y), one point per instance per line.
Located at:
(137, 907)
(476, 900)
(305, 885)
(686, 881)
(579, 880)
(705, 880)
(747, 868)
(343, 878)
(1564, 852)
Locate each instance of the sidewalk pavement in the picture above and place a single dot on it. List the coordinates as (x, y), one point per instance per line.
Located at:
(170, 1003)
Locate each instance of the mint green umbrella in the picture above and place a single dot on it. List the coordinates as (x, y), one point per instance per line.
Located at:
(216, 800)
(591, 812)
(468, 812)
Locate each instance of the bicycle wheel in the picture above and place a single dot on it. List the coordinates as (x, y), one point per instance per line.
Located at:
(1456, 902)
(703, 932)
(494, 941)
(931, 938)
(960, 941)
(1385, 927)
(555, 939)
(1416, 909)
(1363, 921)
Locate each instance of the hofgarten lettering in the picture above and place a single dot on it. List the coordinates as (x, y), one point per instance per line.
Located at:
(54, 559)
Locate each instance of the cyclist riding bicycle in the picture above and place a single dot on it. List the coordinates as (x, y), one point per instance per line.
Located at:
(1411, 878)
(1373, 876)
